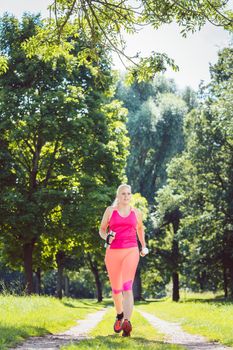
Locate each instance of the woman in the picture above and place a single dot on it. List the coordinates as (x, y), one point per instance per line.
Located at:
(122, 254)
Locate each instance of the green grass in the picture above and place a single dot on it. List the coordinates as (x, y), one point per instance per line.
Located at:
(207, 316)
(144, 336)
(21, 317)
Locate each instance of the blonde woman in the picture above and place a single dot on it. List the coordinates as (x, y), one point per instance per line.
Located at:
(122, 253)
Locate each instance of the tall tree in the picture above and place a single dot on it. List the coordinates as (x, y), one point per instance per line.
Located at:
(202, 177)
(167, 224)
(155, 125)
(53, 118)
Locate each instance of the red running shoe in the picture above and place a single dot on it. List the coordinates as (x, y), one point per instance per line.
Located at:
(127, 328)
(118, 325)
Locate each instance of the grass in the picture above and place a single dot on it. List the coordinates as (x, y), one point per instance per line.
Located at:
(198, 314)
(144, 337)
(22, 316)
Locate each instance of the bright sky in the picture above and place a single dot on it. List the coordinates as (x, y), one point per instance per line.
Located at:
(192, 54)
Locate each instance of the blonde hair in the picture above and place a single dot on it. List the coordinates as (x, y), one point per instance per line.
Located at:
(118, 191)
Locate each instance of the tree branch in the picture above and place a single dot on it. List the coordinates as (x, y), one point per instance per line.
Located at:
(48, 174)
(25, 165)
(230, 21)
(29, 146)
(110, 6)
(116, 49)
(66, 19)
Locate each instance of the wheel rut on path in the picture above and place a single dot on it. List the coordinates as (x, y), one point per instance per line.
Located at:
(175, 335)
(73, 335)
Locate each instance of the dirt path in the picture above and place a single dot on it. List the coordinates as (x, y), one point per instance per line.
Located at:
(173, 332)
(74, 334)
(175, 335)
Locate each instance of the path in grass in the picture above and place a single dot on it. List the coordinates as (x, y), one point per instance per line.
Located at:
(175, 335)
(144, 336)
(91, 333)
(74, 334)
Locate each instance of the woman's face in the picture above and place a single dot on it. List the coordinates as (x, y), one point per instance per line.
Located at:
(124, 196)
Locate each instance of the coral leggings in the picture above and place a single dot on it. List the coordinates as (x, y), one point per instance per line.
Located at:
(121, 266)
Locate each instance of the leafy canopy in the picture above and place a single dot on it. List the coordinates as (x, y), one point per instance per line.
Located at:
(103, 22)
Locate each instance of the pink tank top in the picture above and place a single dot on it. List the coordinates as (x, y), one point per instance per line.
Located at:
(125, 228)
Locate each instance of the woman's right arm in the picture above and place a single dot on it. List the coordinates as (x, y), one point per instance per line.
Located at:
(104, 223)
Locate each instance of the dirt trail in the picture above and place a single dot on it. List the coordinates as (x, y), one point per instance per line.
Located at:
(73, 335)
(172, 331)
(175, 335)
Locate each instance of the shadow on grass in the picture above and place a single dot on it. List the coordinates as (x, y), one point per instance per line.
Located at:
(83, 306)
(89, 305)
(216, 300)
(147, 302)
(10, 336)
(106, 303)
(118, 342)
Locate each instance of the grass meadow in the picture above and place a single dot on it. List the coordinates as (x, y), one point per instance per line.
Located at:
(24, 316)
(204, 314)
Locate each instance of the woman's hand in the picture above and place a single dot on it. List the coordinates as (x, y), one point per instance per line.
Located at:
(110, 237)
(144, 251)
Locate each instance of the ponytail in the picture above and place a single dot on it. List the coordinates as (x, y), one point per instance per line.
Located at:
(115, 202)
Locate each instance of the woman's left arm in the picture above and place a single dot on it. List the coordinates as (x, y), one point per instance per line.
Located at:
(140, 228)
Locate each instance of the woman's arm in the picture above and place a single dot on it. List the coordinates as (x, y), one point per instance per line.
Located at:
(104, 223)
(140, 228)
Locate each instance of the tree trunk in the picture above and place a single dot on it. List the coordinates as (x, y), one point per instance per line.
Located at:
(137, 285)
(28, 271)
(202, 280)
(175, 289)
(231, 278)
(60, 259)
(95, 271)
(175, 258)
(225, 282)
(38, 281)
(67, 285)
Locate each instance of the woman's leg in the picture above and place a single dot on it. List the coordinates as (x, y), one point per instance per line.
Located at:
(128, 301)
(121, 266)
(117, 298)
(129, 267)
(113, 261)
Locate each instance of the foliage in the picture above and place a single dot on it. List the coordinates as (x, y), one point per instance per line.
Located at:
(155, 125)
(3, 64)
(202, 179)
(102, 23)
(65, 146)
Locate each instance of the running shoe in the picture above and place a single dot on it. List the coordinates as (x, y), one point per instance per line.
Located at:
(118, 325)
(127, 328)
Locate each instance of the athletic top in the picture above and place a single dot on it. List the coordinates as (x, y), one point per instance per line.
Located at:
(125, 228)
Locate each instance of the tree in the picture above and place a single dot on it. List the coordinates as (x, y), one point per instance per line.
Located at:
(59, 126)
(155, 125)
(168, 217)
(190, 97)
(202, 177)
